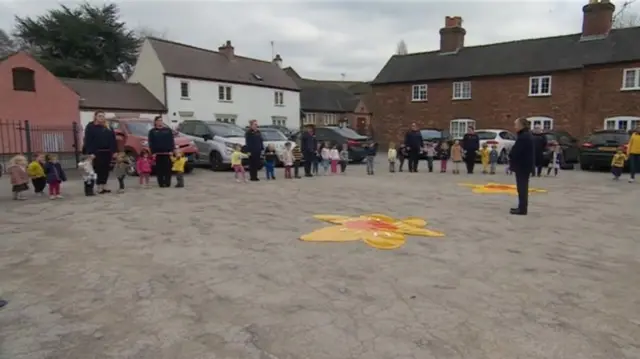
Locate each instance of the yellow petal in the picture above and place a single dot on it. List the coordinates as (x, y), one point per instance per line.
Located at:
(331, 218)
(384, 240)
(418, 232)
(332, 234)
(468, 185)
(415, 221)
(380, 217)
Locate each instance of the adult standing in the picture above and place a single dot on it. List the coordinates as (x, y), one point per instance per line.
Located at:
(100, 143)
(309, 145)
(539, 147)
(470, 145)
(413, 144)
(521, 160)
(255, 146)
(162, 145)
(633, 153)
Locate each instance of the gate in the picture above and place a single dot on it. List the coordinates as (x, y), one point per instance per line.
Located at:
(22, 137)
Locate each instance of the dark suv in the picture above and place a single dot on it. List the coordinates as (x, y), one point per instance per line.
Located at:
(598, 148)
(568, 143)
(355, 142)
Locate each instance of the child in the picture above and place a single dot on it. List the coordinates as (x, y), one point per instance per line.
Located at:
(236, 163)
(430, 151)
(485, 155)
(297, 160)
(270, 158)
(456, 157)
(325, 155)
(179, 162)
(444, 156)
(371, 156)
(555, 159)
(344, 158)
(120, 169)
(334, 157)
(88, 175)
(617, 163)
(402, 154)
(287, 160)
(507, 168)
(55, 176)
(143, 167)
(317, 158)
(19, 177)
(392, 155)
(36, 172)
(493, 158)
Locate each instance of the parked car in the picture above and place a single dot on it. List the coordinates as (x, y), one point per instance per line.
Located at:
(273, 136)
(568, 143)
(503, 139)
(355, 142)
(132, 136)
(598, 148)
(435, 135)
(214, 140)
(284, 129)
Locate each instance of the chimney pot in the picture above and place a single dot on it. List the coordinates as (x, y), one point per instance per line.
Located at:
(278, 60)
(452, 34)
(597, 18)
(227, 50)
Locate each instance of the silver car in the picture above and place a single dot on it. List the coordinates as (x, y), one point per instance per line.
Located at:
(215, 141)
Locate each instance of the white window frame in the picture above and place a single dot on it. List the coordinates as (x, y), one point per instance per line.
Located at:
(636, 84)
(538, 90)
(615, 123)
(279, 121)
(182, 94)
(461, 90)
(225, 93)
(309, 118)
(226, 119)
(278, 98)
(546, 123)
(418, 92)
(330, 119)
(460, 126)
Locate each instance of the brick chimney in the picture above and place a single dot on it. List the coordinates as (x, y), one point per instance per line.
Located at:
(227, 50)
(278, 60)
(452, 34)
(597, 18)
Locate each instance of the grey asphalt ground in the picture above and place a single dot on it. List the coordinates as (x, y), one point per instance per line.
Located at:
(216, 271)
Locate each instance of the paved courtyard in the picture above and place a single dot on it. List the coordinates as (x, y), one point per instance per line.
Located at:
(216, 271)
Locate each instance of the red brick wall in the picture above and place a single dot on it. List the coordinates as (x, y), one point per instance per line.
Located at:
(52, 106)
(580, 101)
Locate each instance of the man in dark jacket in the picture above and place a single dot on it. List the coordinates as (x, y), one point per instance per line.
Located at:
(162, 145)
(100, 143)
(255, 146)
(413, 144)
(309, 146)
(521, 159)
(470, 145)
(540, 146)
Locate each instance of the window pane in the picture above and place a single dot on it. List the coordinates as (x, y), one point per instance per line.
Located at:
(228, 93)
(630, 77)
(534, 84)
(610, 125)
(220, 93)
(545, 85)
(622, 124)
(546, 125)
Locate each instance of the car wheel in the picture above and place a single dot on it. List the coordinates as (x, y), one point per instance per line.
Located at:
(215, 160)
(503, 158)
(131, 171)
(584, 167)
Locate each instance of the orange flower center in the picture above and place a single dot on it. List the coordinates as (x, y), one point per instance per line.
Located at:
(370, 225)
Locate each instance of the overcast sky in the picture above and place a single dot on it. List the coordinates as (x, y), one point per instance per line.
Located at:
(323, 39)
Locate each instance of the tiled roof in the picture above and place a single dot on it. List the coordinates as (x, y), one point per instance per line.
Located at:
(542, 55)
(192, 62)
(111, 95)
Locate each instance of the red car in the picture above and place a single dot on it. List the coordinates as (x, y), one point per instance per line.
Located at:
(131, 135)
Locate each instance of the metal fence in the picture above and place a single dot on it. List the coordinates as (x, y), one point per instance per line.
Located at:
(28, 139)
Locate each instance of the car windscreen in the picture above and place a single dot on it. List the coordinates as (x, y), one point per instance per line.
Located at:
(348, 133)
(608, 138)
(140, 128)
(486, 135)
(272, 135)
(430, 134)
(226, 130)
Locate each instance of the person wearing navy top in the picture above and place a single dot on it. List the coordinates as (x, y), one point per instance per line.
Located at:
(309, 145)
(521, 161)
(413, 144)
(255, 146)
(100, 143)
(162, 146)
(470, 144)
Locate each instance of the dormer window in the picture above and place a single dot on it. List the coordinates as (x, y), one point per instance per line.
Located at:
(24, 79)
(257, 77)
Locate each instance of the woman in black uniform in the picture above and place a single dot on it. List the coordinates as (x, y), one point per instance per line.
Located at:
(100, 144)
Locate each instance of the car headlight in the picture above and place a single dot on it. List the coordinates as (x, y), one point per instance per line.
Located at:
(144, 143)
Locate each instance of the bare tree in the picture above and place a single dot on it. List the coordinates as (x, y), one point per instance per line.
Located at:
(401, 49)
(145, 31)
(625, 17)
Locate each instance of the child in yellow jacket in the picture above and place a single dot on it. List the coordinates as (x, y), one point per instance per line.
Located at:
(179, 162)
(484, 158)
(236, 163)
(35, 170)
(633, 154)
(617, 164)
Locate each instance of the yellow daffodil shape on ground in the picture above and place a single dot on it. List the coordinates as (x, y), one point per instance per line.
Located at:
(377, 230)
(498, 188)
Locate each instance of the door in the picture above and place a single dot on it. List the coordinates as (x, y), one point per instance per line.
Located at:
(361, 126)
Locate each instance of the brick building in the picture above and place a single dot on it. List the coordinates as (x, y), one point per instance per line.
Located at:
(576, 82)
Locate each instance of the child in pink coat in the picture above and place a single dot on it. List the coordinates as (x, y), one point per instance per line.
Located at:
(143, 167)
